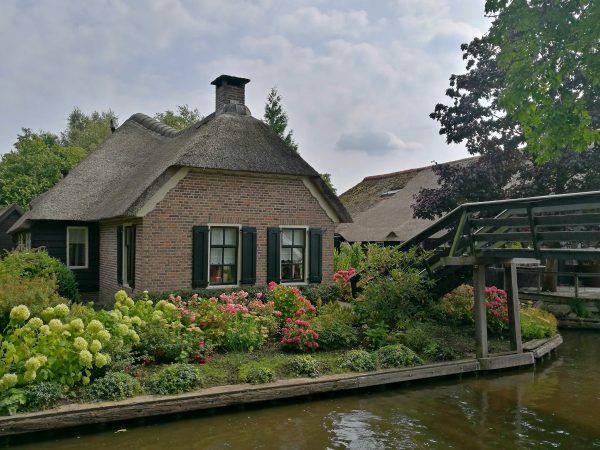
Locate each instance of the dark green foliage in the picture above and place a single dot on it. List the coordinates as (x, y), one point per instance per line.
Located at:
(377, 335)
(335, 325)
(88, 131)
(259, 375)
(418, 338)
(397, 356)
(358, 361)
(35, 293)
(401, 295)
(38, 264)
(305, 366)
(394, 290)
(277, 119)
(456, 307)
(182, 118)
(173, 379)
(37, 162)
(163, 343)
(327, 293)
(114, 386)
(548, 52)
(476, 117)
(46, 394)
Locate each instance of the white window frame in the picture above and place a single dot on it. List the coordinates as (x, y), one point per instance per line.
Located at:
(238, 263)
(306, 255)
(24, 240)
(87, 247)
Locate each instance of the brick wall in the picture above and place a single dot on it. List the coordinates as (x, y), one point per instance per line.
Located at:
(225, 93)
(164, 239)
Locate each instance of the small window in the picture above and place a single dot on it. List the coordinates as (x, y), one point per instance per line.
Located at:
(77, 247)
(24, 240)
(293, 247)
(223, 255)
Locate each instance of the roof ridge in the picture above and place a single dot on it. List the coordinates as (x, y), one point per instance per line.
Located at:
(416, 169)
(154, 125)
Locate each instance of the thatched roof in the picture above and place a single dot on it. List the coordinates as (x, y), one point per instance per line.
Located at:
(142, 153)
(5, 211)
(380, 205)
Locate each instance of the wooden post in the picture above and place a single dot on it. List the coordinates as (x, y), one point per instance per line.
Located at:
(514, 319)
(481, 340)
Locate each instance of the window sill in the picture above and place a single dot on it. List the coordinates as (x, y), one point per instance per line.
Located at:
(77, 267)
(222, 286)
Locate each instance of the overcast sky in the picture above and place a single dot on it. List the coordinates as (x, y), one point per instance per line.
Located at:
(358, 78)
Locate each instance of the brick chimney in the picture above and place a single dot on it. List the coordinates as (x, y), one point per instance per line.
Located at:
(229, 90)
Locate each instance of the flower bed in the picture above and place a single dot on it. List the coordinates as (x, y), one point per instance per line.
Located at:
(68, 353)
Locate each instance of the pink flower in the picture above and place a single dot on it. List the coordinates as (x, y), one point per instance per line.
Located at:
(259, 295)
(289, 320)
(272, 285)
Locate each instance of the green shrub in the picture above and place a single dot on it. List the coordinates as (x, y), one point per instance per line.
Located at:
(35, 293)
(38, 264)
(335, 327)
(456, 307)
(377, 335)
(537, 324)
(43, 395)
(418, 339)
(326, 293)
(358, 361)
(348, 256)
(397, 356)
(440, 352)
(399, 296)
(305, 366)
(244, 334)
(114, 386)
(173, 379)
(259, 375)
(164, 342)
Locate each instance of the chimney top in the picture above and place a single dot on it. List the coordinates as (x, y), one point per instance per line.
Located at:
(229, 90)
(230, 80)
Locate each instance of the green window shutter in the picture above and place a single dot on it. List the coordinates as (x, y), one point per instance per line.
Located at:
(199, 257)
(131, 259)
(273, 255)
(120, 255)
(248, 255)
(315, 252)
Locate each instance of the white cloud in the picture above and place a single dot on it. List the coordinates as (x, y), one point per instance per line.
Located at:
(349, 73)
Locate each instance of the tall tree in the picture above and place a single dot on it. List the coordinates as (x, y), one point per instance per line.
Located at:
(549, 51)
(276, 117)
(505, 168)
(37, 162)
(181, 118)
(88, 131)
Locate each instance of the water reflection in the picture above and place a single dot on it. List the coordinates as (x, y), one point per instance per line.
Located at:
(554, 405)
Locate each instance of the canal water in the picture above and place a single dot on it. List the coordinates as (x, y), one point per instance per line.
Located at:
(554, 405)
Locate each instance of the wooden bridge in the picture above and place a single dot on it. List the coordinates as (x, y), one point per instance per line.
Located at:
(508, 233)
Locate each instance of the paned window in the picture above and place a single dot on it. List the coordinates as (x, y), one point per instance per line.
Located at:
(77, 247)
(223, 255)
(293, 249)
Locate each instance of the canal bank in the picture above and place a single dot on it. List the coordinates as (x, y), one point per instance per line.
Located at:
(226, 396)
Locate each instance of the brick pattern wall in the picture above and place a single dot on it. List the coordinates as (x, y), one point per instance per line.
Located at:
(164, 240)
(225, 93)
